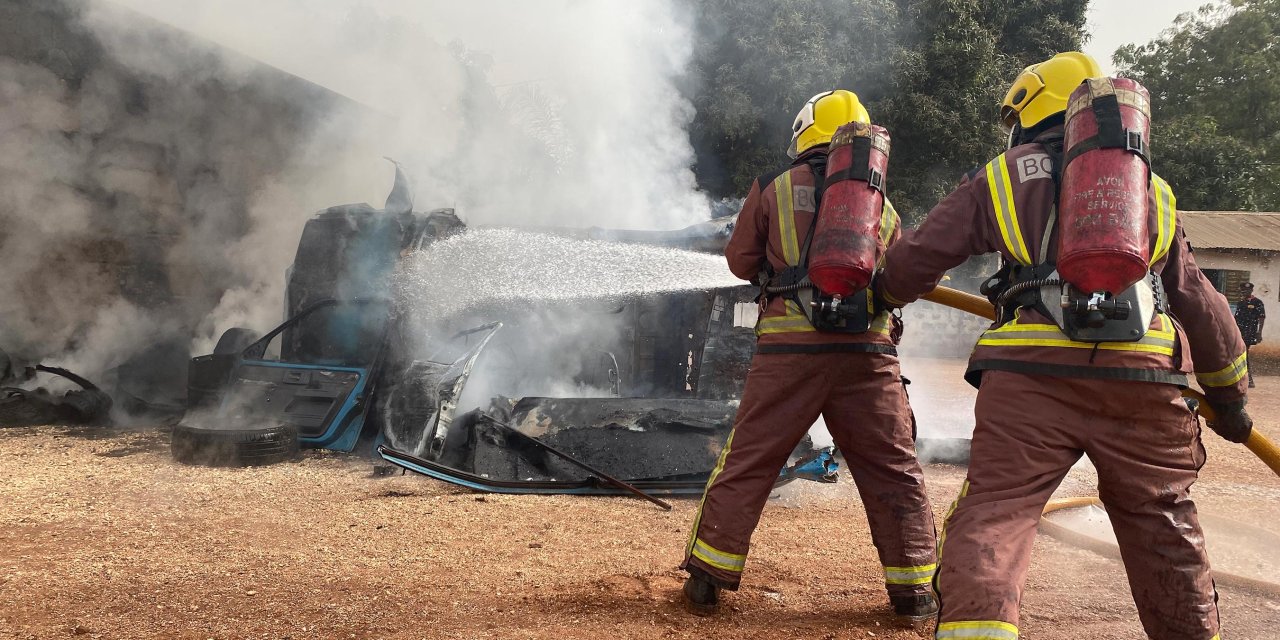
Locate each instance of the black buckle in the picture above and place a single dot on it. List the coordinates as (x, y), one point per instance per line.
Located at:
(1133, 141)
(875, 179)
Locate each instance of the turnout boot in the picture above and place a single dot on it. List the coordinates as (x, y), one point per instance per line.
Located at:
(701, 597)
(915, 608)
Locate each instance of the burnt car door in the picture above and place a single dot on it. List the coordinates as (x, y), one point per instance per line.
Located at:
(313, 372)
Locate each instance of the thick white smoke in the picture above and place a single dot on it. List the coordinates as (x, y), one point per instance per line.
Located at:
(558, 113)
(562, 112)
(519, 113)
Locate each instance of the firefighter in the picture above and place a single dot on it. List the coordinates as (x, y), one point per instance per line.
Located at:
(1251, 315)
(1045, 399)
(800, 373)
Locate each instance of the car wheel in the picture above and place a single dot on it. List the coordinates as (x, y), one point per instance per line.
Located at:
(233, 447)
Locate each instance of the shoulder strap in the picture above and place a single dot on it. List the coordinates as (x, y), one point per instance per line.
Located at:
(764, 180)
(1055, 162)
(818, 166)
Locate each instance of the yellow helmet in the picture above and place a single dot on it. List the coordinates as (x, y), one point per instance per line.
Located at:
(1041, 90)
(821, 116)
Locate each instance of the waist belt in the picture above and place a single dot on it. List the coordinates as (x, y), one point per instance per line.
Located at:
(838, 347)
(974, 375)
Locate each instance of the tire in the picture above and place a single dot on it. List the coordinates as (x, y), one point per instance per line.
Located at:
(235, 340)
(234, 447)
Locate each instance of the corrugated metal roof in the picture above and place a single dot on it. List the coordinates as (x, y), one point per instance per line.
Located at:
(1232, 229)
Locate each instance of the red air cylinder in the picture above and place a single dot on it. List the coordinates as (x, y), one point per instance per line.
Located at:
(846, 240)
(1103, 242)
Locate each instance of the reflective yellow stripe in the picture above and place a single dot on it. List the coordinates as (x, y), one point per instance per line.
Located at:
(881, 325)
(717, 558)
(888, 222)
(783, 324)
(1006, 211)
(787, 219)
(793, 321)
(977, 630)
(1226, 376)
(697, 518)
(1166, 217)
(1015, 334)
(920, 574)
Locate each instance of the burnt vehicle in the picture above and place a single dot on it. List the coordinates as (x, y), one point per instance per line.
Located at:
(308, 381)
(335, 375)
(664, 396)
(312, 380)
(347, 369)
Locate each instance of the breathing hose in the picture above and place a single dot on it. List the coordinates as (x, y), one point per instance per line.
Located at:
(1259, 444)
(788, 288)
(1017, 289)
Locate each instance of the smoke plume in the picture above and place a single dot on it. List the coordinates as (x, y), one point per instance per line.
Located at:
(157, 179)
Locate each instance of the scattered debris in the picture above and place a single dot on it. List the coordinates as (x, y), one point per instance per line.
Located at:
(22, 407)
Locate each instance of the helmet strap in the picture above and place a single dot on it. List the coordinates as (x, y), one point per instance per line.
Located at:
(1019, 135)
(1014, 135)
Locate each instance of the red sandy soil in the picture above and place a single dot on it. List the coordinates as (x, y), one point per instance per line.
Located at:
(103, 536)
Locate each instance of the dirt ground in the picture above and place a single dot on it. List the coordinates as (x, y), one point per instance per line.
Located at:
(103, 536)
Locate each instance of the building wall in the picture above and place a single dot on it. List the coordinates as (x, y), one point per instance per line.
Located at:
(1264, 273)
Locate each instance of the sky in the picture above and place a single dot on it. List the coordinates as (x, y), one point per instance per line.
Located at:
(1113, 23)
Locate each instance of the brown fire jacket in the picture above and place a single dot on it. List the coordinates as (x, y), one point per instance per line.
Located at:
(1006, 207)
(772, 227)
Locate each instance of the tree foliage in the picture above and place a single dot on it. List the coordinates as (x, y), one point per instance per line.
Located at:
(755, 64)
(932, 71)
(1214, 87)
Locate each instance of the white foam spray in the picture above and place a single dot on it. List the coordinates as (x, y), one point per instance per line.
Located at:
(500, 266)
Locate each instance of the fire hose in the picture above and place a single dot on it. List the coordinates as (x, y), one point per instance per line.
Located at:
(1105, 548)
(1258, 443)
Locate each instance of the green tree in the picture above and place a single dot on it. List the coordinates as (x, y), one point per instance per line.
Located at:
(1214, 87)
(756, 62)
(932, 71)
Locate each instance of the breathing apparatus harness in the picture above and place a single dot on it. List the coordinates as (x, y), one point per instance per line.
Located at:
(1082, 316)
(826, 313)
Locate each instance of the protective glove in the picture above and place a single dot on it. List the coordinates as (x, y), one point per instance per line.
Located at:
(1231, 421)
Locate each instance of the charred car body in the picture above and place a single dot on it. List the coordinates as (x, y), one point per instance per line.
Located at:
(341, 372)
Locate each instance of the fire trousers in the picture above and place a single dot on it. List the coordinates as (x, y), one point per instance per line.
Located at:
(862, 400)
(1030, 430)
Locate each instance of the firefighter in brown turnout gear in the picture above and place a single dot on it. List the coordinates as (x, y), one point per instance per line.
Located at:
(819, 355)
(1068, 370)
